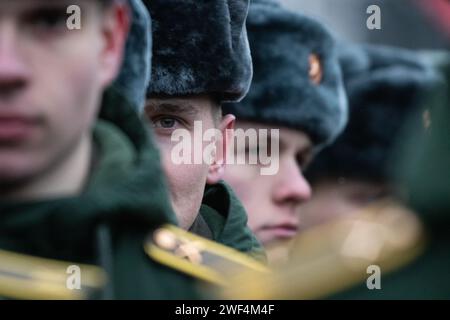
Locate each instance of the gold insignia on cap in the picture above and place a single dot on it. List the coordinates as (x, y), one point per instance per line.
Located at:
(197, 256)
(315, 69)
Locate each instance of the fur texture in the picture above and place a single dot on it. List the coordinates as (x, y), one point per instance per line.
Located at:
(282, 93)
(200, 46)
(134, 76)
(385, 86)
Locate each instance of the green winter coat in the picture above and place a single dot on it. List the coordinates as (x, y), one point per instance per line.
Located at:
(223, 219)
(107, 225)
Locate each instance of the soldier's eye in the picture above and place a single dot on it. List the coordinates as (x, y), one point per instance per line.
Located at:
(47, 19)
(166, 123)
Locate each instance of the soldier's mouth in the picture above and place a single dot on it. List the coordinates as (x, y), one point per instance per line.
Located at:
(14, 128)
(283, 231)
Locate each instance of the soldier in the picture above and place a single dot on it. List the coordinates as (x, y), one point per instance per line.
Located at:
(390, 250)
(80, 179)
(370, 238)
(297, 89)
(386, 86)
(421, 168)
(201, 59)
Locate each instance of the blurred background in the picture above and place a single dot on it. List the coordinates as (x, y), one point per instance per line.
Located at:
(413, 24)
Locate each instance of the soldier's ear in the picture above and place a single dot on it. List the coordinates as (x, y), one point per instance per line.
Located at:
(217, 167)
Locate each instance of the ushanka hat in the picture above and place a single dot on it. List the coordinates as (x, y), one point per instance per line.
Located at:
(386, 86)
(134, 76)
(297, 80)
(200, 46)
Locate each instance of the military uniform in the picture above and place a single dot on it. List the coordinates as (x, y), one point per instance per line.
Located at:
(297, 85)
(108, 224)
(410, 246)
(223, 219)
(202, 54)
(103, 233)
(424, 171)
(333, 257)
(407, 240)
(104, 230)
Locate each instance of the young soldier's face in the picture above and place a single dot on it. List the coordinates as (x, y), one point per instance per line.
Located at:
(194, 115)
(335, 198)
(271, 200)
(51, 81)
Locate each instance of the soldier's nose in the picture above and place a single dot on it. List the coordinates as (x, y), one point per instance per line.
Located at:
(13, 70)
(291, 186)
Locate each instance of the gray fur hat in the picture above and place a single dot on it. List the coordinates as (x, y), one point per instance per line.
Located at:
(297, 80)
(200, 46)
(134, 76)
(386, 86)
